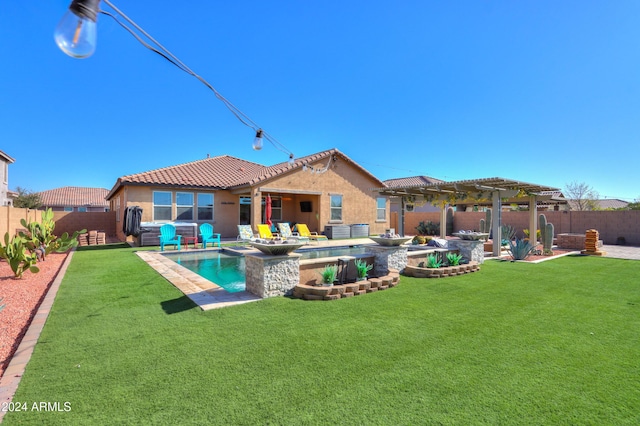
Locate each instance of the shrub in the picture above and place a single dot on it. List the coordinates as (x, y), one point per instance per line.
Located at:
(18, 256)
(362, 268)
(428, 228)
(453, 258)
(329, 274)
(521, 249)
(433, 261)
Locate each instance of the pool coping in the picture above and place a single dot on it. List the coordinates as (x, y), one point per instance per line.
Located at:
(204, 293)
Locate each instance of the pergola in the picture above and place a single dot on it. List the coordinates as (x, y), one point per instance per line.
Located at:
(495, 190)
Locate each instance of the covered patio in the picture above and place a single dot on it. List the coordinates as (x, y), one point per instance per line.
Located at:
(486, 191)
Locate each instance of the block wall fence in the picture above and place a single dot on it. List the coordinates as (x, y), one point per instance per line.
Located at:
(65, 221)
(610, 224)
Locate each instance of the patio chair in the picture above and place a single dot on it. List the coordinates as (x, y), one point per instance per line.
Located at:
(287, 233)
(208, 236)
(264, 230)
(168, 236)
(303, 231)
(245, 234)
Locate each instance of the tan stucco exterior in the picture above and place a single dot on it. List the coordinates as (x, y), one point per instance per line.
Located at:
(341, 178)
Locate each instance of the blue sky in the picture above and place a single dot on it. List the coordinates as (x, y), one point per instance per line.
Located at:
(545, 92)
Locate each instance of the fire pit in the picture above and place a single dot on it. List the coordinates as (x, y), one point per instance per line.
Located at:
(277, 248)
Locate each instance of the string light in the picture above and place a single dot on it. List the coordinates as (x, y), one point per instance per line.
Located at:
(76, 35)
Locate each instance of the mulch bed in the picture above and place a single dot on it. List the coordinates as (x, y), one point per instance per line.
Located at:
(21, 298)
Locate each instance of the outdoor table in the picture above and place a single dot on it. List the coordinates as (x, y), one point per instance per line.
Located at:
(187, 240)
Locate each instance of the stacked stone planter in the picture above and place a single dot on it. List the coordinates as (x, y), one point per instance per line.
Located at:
(342, 291)
(446, 271)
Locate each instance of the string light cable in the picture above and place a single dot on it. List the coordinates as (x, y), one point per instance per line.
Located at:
(82, 10)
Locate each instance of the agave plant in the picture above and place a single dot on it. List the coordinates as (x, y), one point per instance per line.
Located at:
(521, 249)
(453, 258)
(362, 268)
(329, 274)
(433, 261)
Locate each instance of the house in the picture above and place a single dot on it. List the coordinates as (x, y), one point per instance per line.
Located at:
(410, 204)
(321, 190)
(75, 199)
(6, 196)
(601, 204)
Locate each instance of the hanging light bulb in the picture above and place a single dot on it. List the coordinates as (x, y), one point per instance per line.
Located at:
(291, 159)
(76, 33)
(257, 142)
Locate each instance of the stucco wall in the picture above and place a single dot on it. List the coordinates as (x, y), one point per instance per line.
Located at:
(359, 203)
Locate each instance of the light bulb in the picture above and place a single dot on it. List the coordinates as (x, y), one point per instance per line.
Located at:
(257, 142)
(291, 159)
(77, 31)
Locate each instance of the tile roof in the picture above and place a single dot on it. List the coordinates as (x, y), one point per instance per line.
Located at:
(411, 181)
(223, 172)
(74, 196)
(215, 172)
(606, 203)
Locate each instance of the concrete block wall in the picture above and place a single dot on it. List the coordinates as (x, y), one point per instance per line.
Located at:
(91, 221)
(610, 224)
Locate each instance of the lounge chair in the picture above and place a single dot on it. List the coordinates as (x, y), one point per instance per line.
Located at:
(245, 234)
(168, 236)
(264, 230)
(286, 233)
(303, 231)
(208, 236)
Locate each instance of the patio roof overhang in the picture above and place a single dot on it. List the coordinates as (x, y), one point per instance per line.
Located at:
(493, 191)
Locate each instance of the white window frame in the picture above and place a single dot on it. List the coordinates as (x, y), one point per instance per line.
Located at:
(381, 211)
(205, 207)
(184, 209)
(162, 206)
(337, 210)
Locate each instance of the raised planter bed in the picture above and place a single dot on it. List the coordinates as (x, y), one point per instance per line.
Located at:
(335, 292)
(446, 271)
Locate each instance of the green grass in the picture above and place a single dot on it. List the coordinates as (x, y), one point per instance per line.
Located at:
(552, 343)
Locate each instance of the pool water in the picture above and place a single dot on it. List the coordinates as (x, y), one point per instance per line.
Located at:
(224, 269)
(227, 269)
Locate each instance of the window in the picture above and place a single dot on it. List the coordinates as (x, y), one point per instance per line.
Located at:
(68, 209)
(381, 207)
(161, 205)
(205, 206)
(184, 204)
(82, 209)
(276, 209)
(336, 207)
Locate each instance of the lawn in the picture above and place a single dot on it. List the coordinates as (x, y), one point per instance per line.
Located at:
(550, 343)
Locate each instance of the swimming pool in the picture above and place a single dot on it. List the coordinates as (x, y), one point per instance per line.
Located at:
(224, 269)
(227, 269)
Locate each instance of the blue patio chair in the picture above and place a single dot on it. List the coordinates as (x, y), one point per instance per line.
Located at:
(208, 236)
(168, 236)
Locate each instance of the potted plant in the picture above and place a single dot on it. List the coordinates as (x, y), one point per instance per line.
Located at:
(361, 269)
(329, 274)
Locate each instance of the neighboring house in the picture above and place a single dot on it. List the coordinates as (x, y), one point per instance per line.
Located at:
(75, 199)
(603, 204)
(6, 196)
(420, 207)
(322, 189)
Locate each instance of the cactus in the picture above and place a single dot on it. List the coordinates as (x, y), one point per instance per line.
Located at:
(17, 255)
(542, 225)
(547, 241)
(450, 221)
(485, 224)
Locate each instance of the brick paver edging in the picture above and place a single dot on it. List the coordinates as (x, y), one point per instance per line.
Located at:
(12, 375)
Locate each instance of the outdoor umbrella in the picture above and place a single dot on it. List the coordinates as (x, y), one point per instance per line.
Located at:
(268, 210)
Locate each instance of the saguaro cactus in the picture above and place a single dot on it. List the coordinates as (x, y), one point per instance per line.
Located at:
(547, 241)
(485, 224)
(542, 225)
